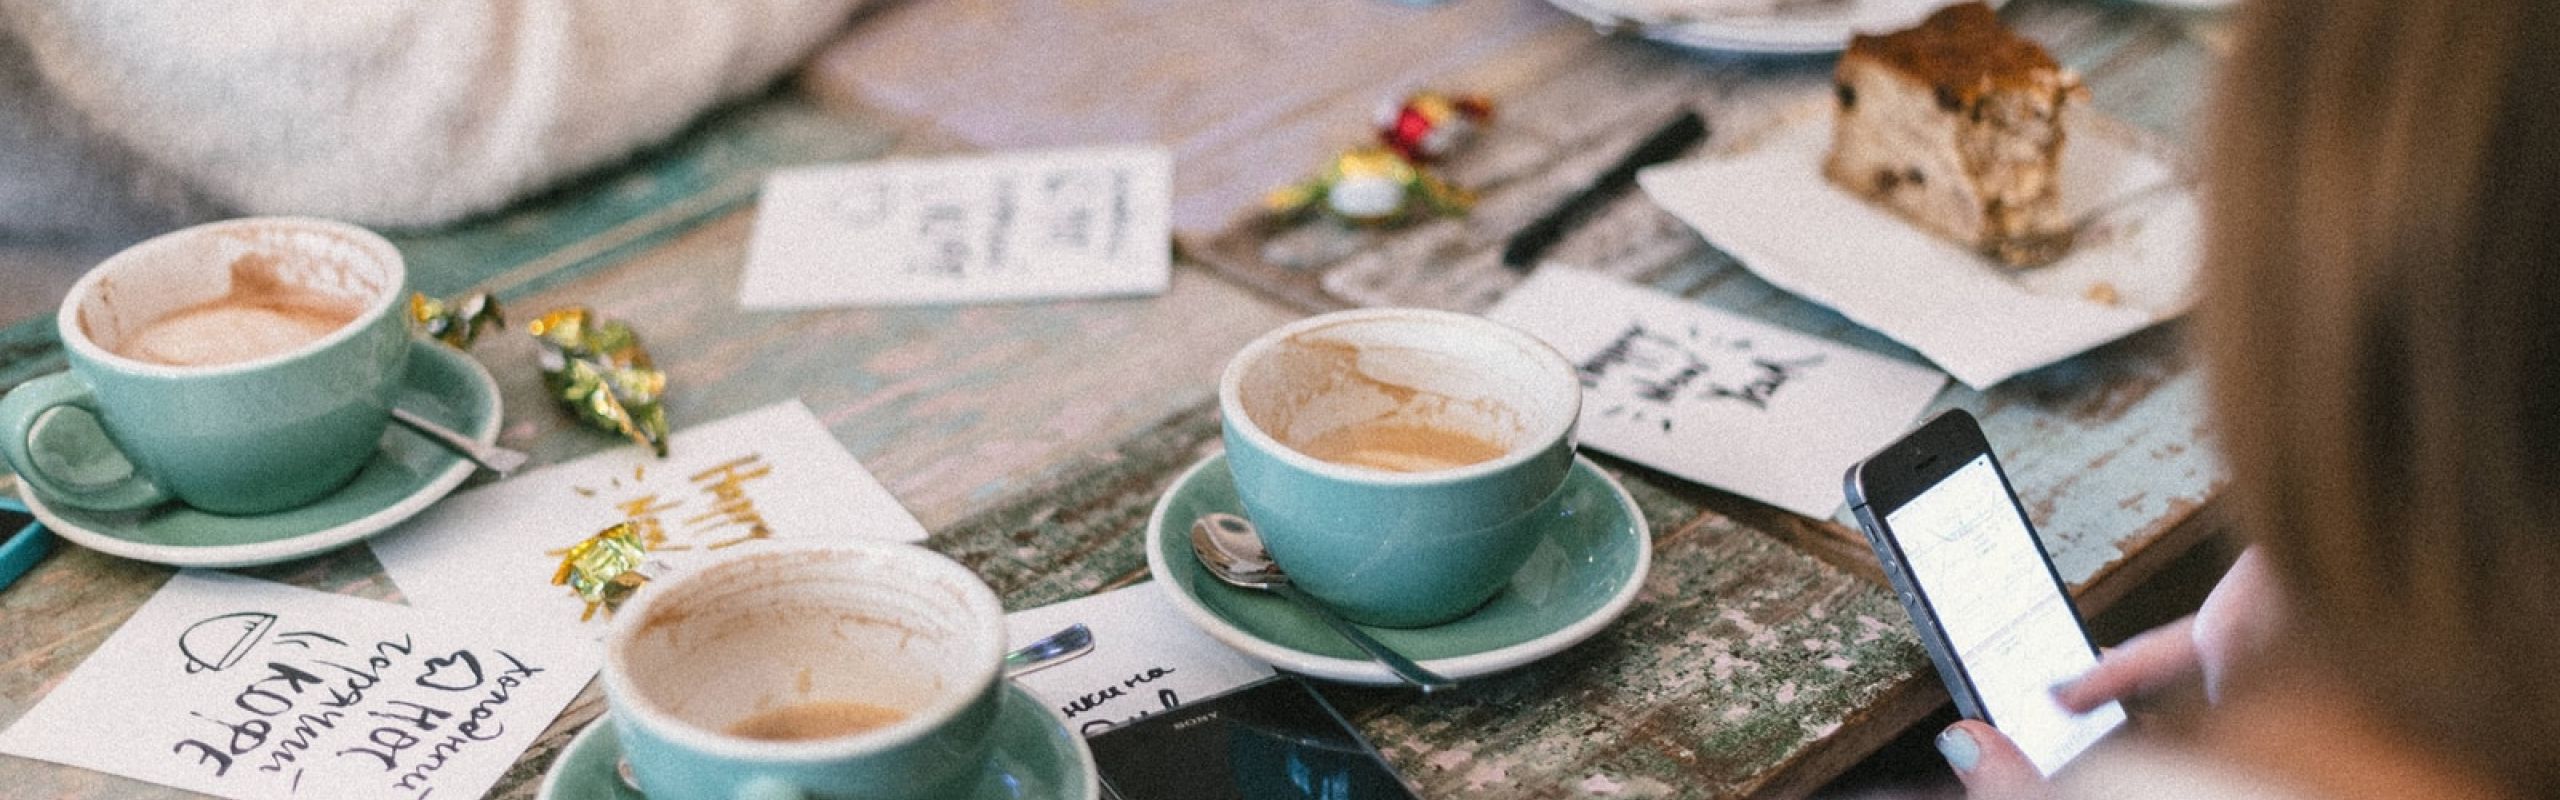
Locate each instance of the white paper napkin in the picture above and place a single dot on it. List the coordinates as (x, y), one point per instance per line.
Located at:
(1769, 207)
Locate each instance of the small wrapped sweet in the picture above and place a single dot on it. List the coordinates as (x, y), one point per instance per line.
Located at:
(1370, 186)
(597, 368)
(603, 569)
(1429, 126)
(457, 322)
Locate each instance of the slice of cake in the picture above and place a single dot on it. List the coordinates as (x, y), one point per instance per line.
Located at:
(1957, 126)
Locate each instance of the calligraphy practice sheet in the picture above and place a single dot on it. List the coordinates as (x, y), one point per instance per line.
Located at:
(1145, 659)
(1716, 398)
(1021, 226)
(770, 475)
(255, 690)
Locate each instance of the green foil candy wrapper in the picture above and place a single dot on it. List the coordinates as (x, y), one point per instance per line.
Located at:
(604, 569)
(458, 321)
(598, 369)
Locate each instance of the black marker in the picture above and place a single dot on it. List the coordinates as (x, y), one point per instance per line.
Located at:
(1668, 143)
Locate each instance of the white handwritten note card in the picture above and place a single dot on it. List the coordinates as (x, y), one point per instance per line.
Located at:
(1021, 226)
(774, 474)
(1145, 659)
(1716, 398)
(248, 689)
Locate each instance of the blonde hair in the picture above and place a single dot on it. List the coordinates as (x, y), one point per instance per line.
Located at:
(2383, 317)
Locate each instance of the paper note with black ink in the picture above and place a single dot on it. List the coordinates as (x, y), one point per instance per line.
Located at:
(994, 228)
(1145, 659)
(1716, 398)
(256, 690)
(770, 475)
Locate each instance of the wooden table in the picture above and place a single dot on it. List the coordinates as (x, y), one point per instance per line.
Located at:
(1762, 657)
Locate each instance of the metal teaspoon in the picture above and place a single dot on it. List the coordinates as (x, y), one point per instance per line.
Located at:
(490, 457)
(1232, 550)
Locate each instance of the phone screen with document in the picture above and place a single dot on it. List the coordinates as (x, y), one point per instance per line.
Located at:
(1981, 574)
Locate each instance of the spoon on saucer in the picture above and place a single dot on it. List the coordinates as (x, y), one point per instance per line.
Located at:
(1049, 651)
(1232, 550)
(490, 457)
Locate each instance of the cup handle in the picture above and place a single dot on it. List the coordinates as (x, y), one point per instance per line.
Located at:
(19, 411)
(768, 788)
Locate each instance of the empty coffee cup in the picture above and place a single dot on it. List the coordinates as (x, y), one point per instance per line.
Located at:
(861, 670)
(1393, 458)
(241, 367)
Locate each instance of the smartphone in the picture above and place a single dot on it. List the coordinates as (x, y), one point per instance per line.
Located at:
(1275, 739)
(1994, 615)
(23, 542)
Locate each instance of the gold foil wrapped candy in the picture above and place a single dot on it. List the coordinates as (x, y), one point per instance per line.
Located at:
(458, 321)
(604, 569)
(599, 370)
(1370, 186)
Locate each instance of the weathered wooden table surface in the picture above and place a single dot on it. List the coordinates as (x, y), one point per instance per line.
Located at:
(1762, 657)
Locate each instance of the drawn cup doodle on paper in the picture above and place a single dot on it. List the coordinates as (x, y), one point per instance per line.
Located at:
(1664, 370)
(219, 642)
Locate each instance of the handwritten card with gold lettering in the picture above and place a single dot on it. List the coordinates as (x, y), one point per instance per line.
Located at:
(1717, 398)
(1145, 659)
(249, 689)
(969, 229)
(770, 475)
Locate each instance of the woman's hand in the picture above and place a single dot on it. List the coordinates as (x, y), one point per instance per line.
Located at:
(2153, 660)
(1991, 766)
(2234, 622)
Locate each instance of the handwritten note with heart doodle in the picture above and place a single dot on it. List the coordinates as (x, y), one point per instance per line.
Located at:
(243, 688)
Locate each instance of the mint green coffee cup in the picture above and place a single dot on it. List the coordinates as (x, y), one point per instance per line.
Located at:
(703, 669)
(1392, 458)
(240, 367)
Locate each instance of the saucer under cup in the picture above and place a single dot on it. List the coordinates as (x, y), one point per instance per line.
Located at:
(407, 473)
(1592, 555)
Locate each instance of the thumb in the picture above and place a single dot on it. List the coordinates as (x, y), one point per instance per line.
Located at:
(1991, 766)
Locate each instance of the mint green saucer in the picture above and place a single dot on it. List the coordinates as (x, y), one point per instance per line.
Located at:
(1035, 756)
(408, 473)
(1594, 556)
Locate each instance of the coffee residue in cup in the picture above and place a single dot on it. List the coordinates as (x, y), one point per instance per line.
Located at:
(262, 315)
(1399, 446)
(1419, 432)
(823, 719)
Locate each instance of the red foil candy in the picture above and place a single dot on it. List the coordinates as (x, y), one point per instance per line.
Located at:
(1429, 125)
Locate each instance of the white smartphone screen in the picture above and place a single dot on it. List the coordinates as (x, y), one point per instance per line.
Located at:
(1984, 577)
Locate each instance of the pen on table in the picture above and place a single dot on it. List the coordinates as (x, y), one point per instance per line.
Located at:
(1665, 144)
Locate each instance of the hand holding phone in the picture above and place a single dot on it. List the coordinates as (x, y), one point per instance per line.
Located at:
(1995, 617)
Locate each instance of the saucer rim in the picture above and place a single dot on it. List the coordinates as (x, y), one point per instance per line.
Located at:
(228, 556)
(1370, 673)
(552, 774)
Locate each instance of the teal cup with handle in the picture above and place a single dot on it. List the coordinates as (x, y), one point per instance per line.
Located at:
(240, 367)
(861, 670)
(1395, 460)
